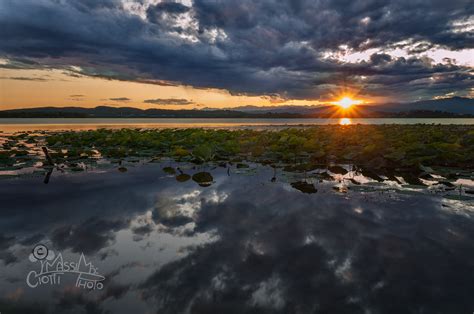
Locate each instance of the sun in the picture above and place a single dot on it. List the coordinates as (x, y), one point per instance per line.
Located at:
(347, 102)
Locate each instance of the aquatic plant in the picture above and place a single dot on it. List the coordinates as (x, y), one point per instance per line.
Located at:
(378, 152)
(375, 146)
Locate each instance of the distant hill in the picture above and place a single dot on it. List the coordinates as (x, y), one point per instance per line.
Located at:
(457, 105)
(451, 108)
(280, 109)
(130, 112)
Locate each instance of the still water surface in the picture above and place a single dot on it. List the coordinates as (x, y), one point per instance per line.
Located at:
(12, 125)
(248, 243)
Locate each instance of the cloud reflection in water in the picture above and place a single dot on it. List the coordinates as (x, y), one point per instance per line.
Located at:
(243, 245)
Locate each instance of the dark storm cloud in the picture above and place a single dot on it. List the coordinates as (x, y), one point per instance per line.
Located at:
(266, 47)
(155, 12)
(413, 76)
(20, 64)
(164, 14)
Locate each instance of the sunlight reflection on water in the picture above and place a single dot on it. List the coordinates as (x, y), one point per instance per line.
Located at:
(345, 121)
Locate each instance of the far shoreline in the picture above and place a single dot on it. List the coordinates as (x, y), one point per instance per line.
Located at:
(9, 125)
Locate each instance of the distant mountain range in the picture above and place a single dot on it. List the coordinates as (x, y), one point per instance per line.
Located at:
(456, 105)
(130, 112)
(452, 107)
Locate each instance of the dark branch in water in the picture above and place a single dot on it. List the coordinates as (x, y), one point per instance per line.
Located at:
(48, 157)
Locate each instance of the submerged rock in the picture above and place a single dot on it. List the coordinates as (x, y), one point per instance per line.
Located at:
(370, 174)
(304, 187)
(340, 189)
(426, 176)
(353, 181)
(169, 170)
(203, 178)
(447, 183)
(183, 177)
(338, 170)
(325, 176)
(411, 178)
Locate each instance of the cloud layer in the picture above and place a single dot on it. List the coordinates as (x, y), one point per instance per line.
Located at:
(169, 101)
(292, 49)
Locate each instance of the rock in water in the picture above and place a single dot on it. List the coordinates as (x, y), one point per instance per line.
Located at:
(203, 178)
(183, 177)
(304, 187)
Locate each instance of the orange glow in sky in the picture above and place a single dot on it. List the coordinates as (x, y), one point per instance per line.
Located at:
(41, 88)
(29, 88)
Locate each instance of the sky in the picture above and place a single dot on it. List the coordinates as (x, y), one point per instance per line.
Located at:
(225, 53)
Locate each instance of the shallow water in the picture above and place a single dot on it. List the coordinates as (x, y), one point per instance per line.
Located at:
(248, 243)
(31, 124)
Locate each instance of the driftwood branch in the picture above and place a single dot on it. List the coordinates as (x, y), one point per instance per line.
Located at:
(48, 157)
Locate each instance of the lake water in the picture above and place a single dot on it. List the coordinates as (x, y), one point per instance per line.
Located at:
(249, 242)
(12, 125)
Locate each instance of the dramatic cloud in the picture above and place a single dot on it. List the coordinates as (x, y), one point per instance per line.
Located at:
(294, 49)
(23, 78)
(169, 101)
(120, 99)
